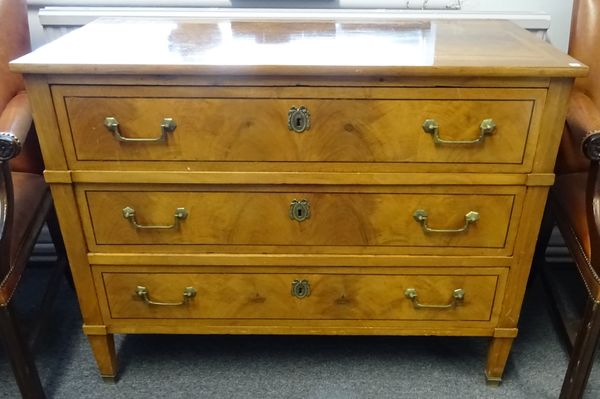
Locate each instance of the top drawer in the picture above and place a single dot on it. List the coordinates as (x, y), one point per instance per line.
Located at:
(467, 128)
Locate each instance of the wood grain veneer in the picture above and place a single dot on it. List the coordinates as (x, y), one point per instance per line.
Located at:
(267, 296)
(251, 124)
(365, 166)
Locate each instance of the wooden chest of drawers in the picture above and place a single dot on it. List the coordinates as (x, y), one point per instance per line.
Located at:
(283, 178)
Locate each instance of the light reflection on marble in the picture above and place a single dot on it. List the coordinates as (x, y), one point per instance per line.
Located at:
(239, 43)
(332, 44)
(121, 44)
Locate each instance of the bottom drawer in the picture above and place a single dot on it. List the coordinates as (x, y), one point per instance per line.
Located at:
(298, 296)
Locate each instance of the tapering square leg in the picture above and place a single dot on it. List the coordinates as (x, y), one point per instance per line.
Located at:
(497, 357)
(103, 347)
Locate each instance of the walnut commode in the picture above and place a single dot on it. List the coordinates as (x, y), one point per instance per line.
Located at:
(231, 177)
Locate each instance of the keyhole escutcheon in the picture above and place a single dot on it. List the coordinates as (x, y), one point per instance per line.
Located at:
(299, 119)
(300, 288)
(299, 210)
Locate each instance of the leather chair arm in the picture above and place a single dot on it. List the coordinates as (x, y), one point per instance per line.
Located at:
(15, 123)
(583, 119)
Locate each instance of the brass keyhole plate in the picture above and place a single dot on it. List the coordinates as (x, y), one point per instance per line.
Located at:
(298, 119)
(300, 288)
(300, 210)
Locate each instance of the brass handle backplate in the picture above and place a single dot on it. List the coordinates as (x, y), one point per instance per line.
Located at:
(299, 119)
(180, 214)
(112, 124)
(144, 293)
(458, 295)
(421, 216)
(300, 288)
(300, 210)
(486, 127)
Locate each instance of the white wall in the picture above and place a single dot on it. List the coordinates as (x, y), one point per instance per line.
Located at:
(559, 10)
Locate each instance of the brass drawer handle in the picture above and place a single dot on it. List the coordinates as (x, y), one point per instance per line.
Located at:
(299, 119)
(420, 216)
(167, 125)
(144, 293)
(300, 288)
(180, 214)
(486, 127)
(457, 297)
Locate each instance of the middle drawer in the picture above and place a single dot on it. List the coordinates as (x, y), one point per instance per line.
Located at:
(261, 220)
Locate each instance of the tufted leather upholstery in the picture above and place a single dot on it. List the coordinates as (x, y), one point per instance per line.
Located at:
(30, 193)
(25, 202)
(14, 34)
(15, 42)
(584, 107)
(575, 197)
(583, 118)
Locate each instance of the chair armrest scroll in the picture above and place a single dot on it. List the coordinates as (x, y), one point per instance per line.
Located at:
(15, 123)
(591, 146)
(583, 119)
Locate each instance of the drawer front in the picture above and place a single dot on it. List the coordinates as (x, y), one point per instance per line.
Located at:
(320, 296)
(298, 219)
(346, 128)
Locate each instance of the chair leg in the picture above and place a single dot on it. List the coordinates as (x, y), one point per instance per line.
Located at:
(582, 357)
(20, 358)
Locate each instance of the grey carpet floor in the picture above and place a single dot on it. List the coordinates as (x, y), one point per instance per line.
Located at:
(303, 367)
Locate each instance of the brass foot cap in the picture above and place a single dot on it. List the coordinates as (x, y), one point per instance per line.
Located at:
(109, 379)
(493, 382)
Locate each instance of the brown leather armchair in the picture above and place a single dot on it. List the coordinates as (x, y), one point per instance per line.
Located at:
(25, 202)
(575, 198)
